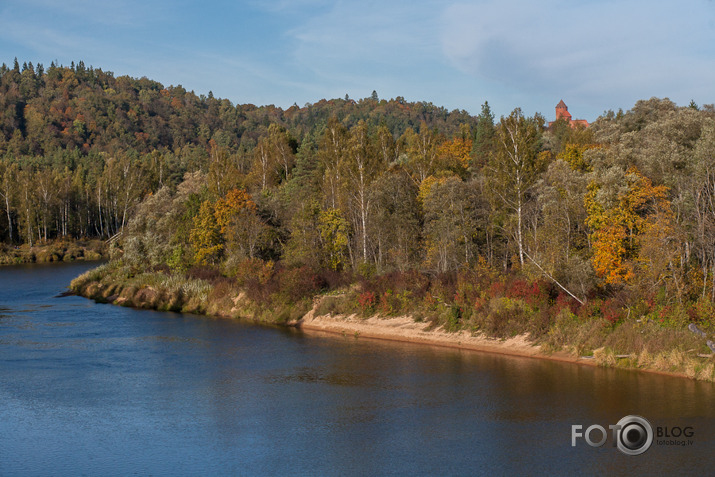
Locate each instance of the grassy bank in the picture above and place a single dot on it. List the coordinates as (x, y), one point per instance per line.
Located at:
(650, 336)
(53, 251)
(200, 290)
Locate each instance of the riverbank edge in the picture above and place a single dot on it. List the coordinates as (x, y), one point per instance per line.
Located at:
(403, 328)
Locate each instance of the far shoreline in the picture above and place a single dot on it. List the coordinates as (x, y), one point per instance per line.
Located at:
(54, 251)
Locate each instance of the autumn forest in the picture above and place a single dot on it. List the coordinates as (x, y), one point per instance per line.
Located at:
(419, 206)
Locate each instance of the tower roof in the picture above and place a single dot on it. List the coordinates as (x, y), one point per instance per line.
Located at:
(562, 105)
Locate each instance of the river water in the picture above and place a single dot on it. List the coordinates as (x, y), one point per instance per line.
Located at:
(92, 389)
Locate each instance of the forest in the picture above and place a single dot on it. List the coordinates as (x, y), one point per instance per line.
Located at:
(418, 207)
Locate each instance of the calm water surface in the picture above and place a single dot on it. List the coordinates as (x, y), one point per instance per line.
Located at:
(90, 389)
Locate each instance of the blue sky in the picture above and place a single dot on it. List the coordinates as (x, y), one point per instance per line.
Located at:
(595, 55)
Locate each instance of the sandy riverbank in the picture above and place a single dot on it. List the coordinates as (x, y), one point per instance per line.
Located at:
(405, 329)
(157, 290)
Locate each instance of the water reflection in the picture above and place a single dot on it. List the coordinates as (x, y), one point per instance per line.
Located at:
(157, 393)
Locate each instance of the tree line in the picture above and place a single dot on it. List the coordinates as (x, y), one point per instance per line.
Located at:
(368, 187)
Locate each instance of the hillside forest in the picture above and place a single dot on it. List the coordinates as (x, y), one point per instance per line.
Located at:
(414, 205)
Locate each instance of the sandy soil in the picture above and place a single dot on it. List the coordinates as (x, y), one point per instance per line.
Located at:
(404, 328)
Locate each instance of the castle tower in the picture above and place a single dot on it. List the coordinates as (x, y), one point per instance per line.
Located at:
(562, 111)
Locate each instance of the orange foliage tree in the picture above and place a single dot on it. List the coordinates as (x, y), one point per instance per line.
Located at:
(455, 155)
(235, 201)
(633, 230)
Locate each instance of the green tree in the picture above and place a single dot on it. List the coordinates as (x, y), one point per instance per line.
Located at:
(515, 166)
(359, 168)
(8, 178)
(283, 148)
(484, 138)
(421, 149)
(396, 221)
(450, 224)
(331, 150)
(304, 246)
(560, 243)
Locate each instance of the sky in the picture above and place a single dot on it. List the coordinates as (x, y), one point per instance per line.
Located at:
(595, 55)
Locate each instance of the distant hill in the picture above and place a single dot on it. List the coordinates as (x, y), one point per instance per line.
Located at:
(86, 108)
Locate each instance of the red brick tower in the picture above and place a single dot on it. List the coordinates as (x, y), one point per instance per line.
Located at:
(562, 111)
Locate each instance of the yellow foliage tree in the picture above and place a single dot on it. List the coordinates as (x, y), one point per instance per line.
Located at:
(205, 236)
(455, 155)
(235, 201)
(573, 154)
(632, 231)
(334, 232)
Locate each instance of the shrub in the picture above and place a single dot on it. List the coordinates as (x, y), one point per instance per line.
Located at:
(536, 293)
(565, 302)
(204, 272)
(366, 301)
(506, 317)
(611, 310)
(497, 289)
(330, 305)
(331, 279)
(454, 319)
(702, 313)
(297, 283)
(251, 270)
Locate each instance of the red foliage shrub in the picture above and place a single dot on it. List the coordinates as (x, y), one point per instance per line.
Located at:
(701, 312)
(479, 304)
(444, 285)
(518, 289)
(496, 290)
(665, 312)
(534, 293)
(297, 283)
(366, 300)
(330, 279)
(611, 310)
(589, 310)
(563, 300)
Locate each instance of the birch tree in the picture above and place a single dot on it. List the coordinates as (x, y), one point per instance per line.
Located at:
(515, 166)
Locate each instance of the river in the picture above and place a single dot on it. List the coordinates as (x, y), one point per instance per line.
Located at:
(93, 389)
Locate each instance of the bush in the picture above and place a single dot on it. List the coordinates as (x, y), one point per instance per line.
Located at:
(330, 305)
(204, 272)
(506, 317)
(250, 270)
(366, 302)
(298, 283)
(611, 310)
(454, 317)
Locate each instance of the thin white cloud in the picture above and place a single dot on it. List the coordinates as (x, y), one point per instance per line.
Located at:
(352, 36)
(622, 50)
(595, 54)
(47, 41)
